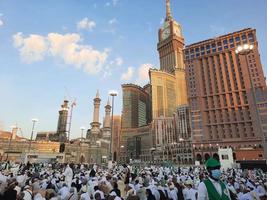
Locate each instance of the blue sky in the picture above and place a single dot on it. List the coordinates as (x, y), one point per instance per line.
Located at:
(55, 49)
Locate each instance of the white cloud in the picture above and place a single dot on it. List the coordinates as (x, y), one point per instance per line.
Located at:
(119, 61)
(115, 2)
(107, 4)
(112, 2)
(127, 76)
(66, 47)
(1, 22)
(32, 48)
(143, 76)
(113, 21)
(87, 24)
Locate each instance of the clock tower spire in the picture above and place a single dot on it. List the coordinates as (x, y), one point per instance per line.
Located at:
(168, 11)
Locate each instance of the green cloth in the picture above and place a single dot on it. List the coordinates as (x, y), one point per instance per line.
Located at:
(211, 162)
(212, 192)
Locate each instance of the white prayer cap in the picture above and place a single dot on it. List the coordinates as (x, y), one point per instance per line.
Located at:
(113, 194)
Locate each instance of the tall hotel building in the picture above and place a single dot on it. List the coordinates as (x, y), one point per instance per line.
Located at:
(220, 94)
(136, 115)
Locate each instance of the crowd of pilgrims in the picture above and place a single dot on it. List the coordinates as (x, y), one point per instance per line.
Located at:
(121, 182)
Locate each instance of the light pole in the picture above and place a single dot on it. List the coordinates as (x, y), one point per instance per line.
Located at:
(121, 152)
(152, 150)
(97, 153)
(202, 159)
(113, 94)
(82, 129)
(181, 140)
(210, 150)
(244, 50)
(34, 120)
(193, 150)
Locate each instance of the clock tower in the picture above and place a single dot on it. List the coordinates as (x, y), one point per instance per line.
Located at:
(171, 44)
(168, 84)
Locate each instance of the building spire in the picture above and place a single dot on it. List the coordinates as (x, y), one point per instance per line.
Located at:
(168, 11)
(97, 94)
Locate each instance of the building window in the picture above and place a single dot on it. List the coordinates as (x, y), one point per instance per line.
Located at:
(244, 38)
(237, 39)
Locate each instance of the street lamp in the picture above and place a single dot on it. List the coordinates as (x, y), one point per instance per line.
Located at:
(82, 129)
(193, 151)
(113, 94)
(34, 120)
(244, 50)
(98, 142)
(182, 145)
(152, 150)
(201, 146)
(121, 158)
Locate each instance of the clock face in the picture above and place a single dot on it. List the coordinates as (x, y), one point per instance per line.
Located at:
(177, 31)
(165, 33)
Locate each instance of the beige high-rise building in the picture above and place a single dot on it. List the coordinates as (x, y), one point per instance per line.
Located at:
(169, 83)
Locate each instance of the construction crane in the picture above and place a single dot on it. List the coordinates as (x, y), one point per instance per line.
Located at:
(73, 103)
(69, 121)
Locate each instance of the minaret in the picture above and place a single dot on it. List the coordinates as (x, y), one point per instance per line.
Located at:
(14, 132)
(95, 130)
(107, 115)
(168, 11)
(96, 107)
(107, 123)
(62, 121)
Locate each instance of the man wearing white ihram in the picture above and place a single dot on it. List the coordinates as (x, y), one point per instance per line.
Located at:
(68, 173)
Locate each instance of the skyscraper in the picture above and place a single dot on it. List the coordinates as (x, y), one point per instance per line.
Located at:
(136, 109)
(136, 115)
(168, 84)
(220, 92)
